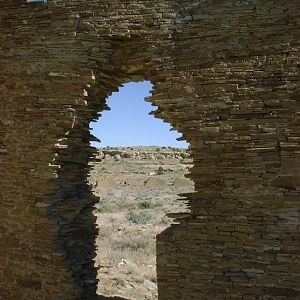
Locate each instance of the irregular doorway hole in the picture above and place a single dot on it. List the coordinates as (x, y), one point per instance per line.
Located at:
(129, 122)
(137, 182)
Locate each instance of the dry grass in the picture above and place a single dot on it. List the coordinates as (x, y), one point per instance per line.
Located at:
(129, 218)
(132, 243)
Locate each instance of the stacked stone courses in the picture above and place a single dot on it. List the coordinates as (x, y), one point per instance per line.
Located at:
(225, 74)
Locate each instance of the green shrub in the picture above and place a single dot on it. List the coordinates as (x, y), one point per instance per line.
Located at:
(107, 208)
(146, 204)
(160, 171)
(131, 243)
(139, 217)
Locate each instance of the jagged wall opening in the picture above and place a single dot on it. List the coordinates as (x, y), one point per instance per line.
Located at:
(74, 200)
(134, 223)
(129, 107)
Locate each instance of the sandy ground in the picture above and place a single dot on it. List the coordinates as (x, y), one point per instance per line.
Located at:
(135, 194)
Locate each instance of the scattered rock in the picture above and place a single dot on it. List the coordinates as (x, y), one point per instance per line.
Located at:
(185, 155)
(132, 181)
(118, 157)
(154, 182)
(181, 182)
(106, 183)
(127, 155)
(149, 284)
(150, 153)
(123, 263)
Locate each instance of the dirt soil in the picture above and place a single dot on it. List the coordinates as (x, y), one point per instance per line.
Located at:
(136, 187)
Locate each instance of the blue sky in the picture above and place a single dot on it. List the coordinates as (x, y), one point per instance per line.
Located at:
(128, 122)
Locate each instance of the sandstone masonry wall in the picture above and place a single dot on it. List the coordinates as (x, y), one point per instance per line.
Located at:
(225, 74)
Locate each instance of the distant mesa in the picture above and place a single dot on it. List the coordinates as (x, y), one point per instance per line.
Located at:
(152, 153)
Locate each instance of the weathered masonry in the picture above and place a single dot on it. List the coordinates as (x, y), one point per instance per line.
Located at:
(225, 74)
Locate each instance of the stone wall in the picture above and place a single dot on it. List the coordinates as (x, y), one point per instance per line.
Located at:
(225, 74)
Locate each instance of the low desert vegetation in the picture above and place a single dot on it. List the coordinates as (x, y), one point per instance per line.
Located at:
(139, 217)
(129, 217)
(132, 243)
(147, 204)
(107, 208)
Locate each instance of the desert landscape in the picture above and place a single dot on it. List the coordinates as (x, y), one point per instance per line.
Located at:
(137, 187)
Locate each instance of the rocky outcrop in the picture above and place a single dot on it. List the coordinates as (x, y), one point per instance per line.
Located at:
(140, 167)
(153, 153)
(154, 182)
(106, 183)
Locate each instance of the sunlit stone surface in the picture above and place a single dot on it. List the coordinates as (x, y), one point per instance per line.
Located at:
(225, 75)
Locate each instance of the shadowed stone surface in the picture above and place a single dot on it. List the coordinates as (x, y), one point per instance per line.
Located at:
(225, 74)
